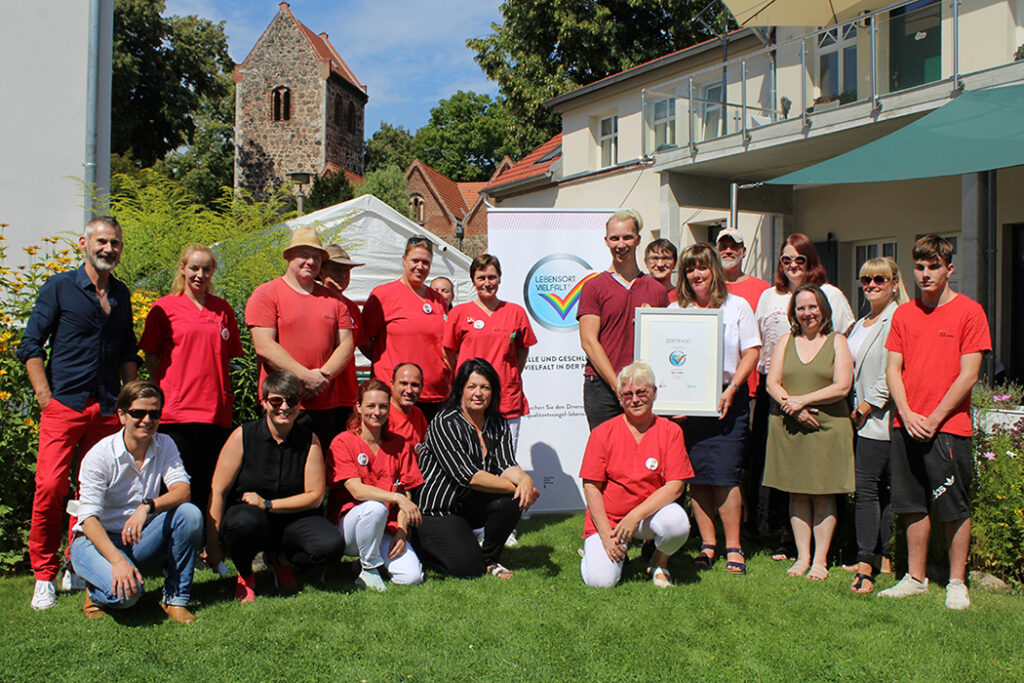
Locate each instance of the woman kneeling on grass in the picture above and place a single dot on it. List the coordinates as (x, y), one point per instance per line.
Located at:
(267, 491)
(371, 472)
(471, 479)
(633, 470)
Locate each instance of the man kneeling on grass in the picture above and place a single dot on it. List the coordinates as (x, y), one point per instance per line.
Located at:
(124, 521)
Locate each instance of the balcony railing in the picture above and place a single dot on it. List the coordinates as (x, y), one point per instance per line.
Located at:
(801, 77)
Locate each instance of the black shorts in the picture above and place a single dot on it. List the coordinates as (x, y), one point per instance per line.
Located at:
(937, 471)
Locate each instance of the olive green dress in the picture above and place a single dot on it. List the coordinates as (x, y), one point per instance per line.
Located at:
(804, 460)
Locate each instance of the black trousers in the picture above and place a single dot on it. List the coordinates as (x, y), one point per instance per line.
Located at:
(306, 539)
(199, 446)
(600, 403)
(446, 543)
(873, 514)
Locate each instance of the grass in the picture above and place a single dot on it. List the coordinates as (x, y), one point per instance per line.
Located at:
(543, 625)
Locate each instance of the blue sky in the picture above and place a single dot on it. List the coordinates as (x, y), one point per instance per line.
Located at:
(409, 53)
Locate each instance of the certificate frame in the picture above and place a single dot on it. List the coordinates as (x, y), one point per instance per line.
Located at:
(683, 346)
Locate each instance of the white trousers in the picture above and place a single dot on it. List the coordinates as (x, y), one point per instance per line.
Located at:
(363, 527)
(669, 527)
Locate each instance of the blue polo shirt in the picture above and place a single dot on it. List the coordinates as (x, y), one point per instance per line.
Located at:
(87, 347)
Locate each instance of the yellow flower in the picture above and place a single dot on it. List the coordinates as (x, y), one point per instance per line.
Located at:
(29, 422)
(31, 251)
(4, 395)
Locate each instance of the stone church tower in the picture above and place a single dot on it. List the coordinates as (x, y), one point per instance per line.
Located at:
(298, 108)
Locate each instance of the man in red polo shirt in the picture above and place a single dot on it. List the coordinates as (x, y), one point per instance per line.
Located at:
(335, 274)
(605, 314)
(936, 344)
(300, 326)
(405, 418)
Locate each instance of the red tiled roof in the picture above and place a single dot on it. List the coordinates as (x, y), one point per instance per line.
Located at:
(530, 165)
(330, 168)
(328, 53)
(471, 192)
(448, 191)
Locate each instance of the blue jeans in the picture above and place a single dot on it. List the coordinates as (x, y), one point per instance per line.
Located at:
(176, 535)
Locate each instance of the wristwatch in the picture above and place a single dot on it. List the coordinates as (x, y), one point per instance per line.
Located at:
(148, 502)
(267, 504)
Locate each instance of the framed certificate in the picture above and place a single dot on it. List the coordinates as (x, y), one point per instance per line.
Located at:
(683, 346)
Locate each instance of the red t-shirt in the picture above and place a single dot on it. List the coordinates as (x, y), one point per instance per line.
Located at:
(632, 471)
(408, 329)
(932, 341)
(750, 290)
(392, 468)
(411, 426)
(497, 339)
(605, 296)
(194, 345)
(349, 382)
(307, 328)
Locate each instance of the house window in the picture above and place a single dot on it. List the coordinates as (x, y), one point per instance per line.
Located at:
(351, 118)
(281, 104)
(869, 250)
(416, 202)
(608, 141)
(710, 108)
(664, 124)
(837, 64)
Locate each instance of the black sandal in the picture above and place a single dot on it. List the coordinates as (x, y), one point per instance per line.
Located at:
(703, 561)
(858, 583)
(732, 566)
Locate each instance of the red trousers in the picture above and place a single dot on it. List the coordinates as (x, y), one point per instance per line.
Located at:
(62, 432)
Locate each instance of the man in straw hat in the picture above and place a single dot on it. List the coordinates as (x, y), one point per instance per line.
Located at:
(335, 274)
(300, 326)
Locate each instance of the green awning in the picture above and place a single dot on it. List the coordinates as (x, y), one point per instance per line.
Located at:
(981, 130)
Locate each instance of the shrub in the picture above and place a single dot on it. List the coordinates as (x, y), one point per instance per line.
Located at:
(998, 517)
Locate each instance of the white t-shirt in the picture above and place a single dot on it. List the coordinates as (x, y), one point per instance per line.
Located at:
(772, 316)
(857, 336)
(740, 332)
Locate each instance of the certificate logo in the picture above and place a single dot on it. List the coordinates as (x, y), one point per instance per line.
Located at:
(552, 290)
(677, 358)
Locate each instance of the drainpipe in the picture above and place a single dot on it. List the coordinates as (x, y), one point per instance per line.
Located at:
(734, 190)
(91, 97)
(989, 359)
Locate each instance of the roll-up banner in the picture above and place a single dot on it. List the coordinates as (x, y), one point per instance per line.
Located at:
(546, 255)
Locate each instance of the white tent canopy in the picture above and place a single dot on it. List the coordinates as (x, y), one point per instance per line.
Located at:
(375, 234)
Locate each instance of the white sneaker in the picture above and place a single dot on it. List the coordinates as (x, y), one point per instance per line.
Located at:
(371, 578)
(956, 595)
(44, 596)
(513, 540)
(907, 586)
(71, 582)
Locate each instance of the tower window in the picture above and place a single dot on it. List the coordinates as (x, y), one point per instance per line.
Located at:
(417, 208)
(351, 118)
(281, 104)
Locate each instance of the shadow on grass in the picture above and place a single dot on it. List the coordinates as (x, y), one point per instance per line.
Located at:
(532, 557)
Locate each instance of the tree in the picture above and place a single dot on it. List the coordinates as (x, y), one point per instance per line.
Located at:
(389, 146)
(545, 48)
(328, 190)
(388, 185)
(465, 137)
(163, 67)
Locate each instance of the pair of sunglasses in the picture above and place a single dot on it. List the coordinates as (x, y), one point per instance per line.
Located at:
(799, 260)
(877, 279)
(139, 413)
(290, 401)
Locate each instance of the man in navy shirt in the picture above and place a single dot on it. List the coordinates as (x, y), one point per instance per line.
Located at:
(86, 316)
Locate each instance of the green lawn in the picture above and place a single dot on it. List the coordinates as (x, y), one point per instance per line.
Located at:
(543, 625)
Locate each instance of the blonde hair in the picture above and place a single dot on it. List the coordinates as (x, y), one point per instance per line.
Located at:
(627, 215)
(178, 283)
(701, 255)
(637, 373)
(887, 267)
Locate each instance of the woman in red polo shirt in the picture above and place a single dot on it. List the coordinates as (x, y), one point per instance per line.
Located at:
(403, 321)
(498, 332)
(633, 470)
(189, 337)
(370, 472)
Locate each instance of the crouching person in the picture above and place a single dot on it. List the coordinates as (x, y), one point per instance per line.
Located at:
(124, 522)
(634, 468)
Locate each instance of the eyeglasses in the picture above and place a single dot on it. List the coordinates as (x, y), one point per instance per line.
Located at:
(877, 279)
(641, 394)
(799, 260)
(276, 401)
(139, 413)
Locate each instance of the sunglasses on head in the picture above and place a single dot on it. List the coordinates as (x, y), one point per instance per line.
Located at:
(799, 260)
(877, 279)
(290, 401)
(139, 413)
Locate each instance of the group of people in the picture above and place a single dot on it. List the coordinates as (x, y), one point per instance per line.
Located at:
(418, 463)
(806, 411)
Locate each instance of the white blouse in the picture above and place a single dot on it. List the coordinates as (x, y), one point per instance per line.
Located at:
(772, 316)
(740, 332)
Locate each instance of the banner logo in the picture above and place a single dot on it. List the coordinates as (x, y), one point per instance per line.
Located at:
(677, 358)
(552, 290)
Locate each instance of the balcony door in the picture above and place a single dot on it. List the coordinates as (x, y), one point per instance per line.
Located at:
(915, 44)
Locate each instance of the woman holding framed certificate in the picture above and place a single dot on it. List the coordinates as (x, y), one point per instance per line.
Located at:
(716, 444)
(810, 435)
